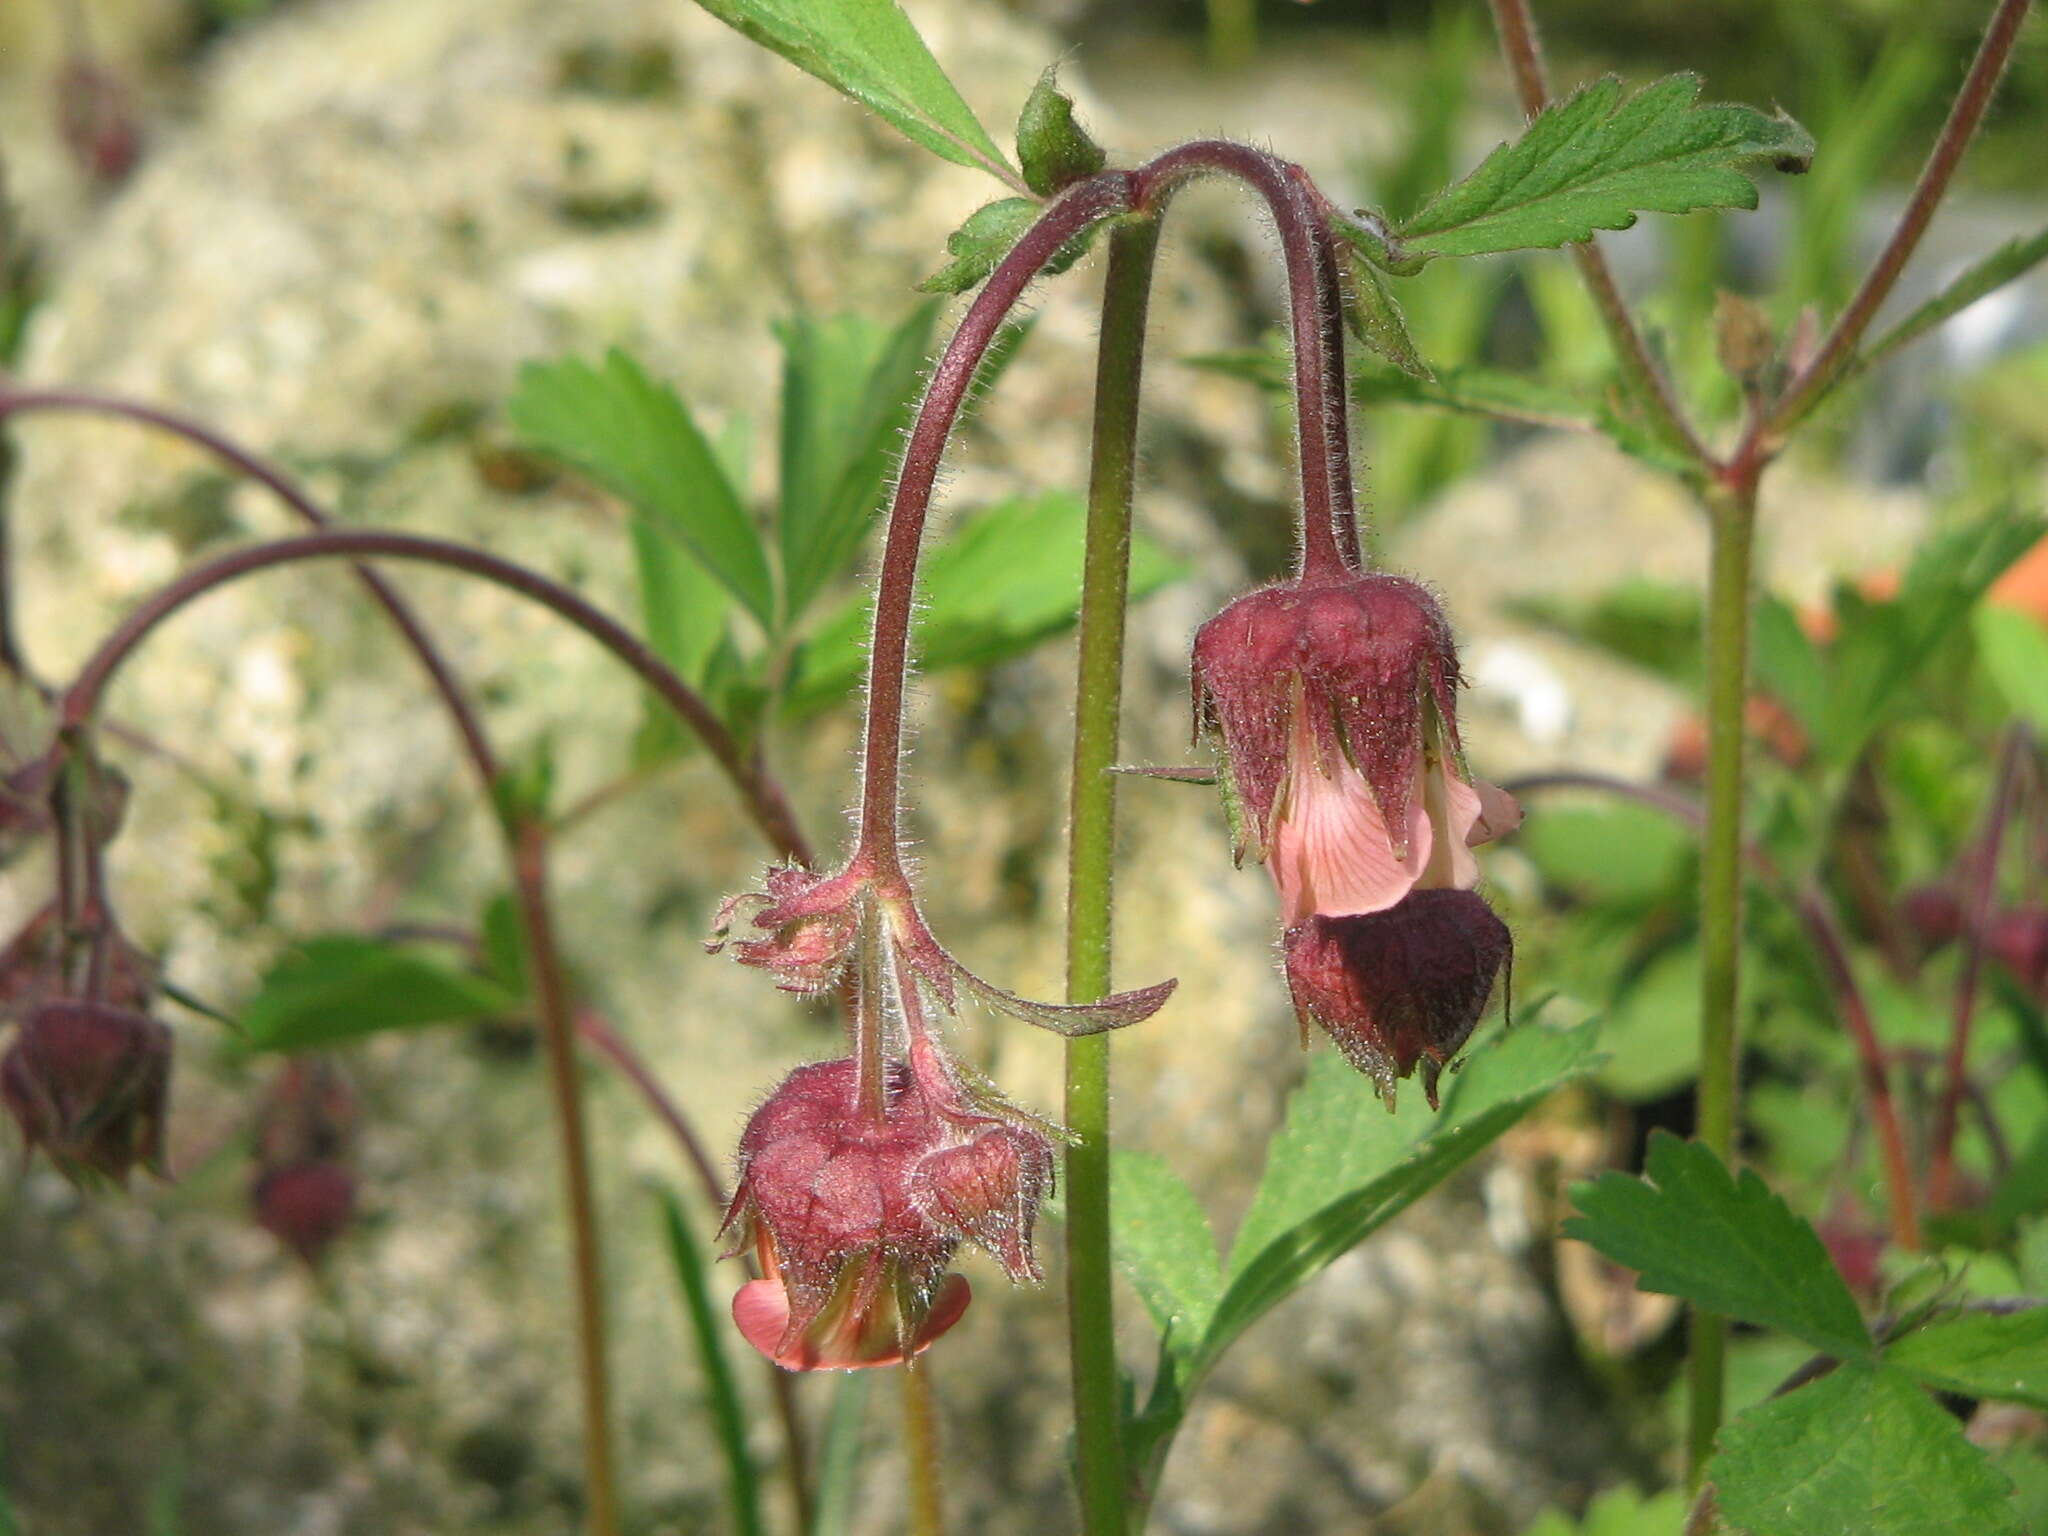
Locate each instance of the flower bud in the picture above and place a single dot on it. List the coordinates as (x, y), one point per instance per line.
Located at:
(1335, 703)
(854, 1274)
(1399, 987)
(89, 1083)
(305, 1206)
(304, 1192)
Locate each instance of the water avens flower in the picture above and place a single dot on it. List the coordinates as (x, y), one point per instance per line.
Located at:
(1335, 705)
(1334, 701)
(89, 1083)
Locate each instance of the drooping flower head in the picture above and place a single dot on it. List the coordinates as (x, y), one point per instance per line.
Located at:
(1334, 701)
(1335, 705)
(855, 1215)
(304, 1191)
(88, 1083)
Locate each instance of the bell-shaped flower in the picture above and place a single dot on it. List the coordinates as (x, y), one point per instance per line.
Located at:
(853, 1272)
(1401, 987)
(89, 1083)
(1335, 703)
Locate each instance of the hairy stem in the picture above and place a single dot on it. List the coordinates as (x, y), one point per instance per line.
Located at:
(1105, 590)
(1825, 929)
(1648, 386)
(558, 1028)
(1964, 117)
(1315, 326)
(761, 796)
(1732, 532)
(921, 1450)
(1977, 901)
(1082, 206)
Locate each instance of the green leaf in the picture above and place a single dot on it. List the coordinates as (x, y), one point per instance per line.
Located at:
(1730, 1245)
(1651, 1030)
(1981, 1354)
(1595, 161)
(343, 986)
(637, 439)
(2010, 261)
(848, 388)
(1627, 855)
(1341, 1166)
(869, 50)
(707, 1331)
(1618, 1512)
(1000, 582)
(1164, 1246)
(2014, 649)
(979, 245)
(1054, 150)
(1375, 319)
(1862, 1450)
(1883, 646)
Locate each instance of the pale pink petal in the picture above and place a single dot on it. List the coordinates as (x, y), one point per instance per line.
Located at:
(1331, 853)
(1499, 813)
(1454, 810)
(761, 1310)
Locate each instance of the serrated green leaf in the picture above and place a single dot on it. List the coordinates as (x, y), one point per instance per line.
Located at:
(999, 582)
(1595, 161)
(343, 986)
(2011, 260)
(1862, 1450)
(869, 50)
(1981, 1354)
(848, 387)
(1054, 150)
(1727, 1244)
(1341, 1166)
(636, 438)
(1375, 319)
(1164, 1247)
(2014, 649)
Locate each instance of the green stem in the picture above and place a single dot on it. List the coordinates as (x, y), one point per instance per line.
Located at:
(1098, 702)
(921, 1450)
(1731, 503)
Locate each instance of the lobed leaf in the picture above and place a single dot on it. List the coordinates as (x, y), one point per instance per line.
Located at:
(1863, 1449)
(1594, 161)
(344, 986)
(1728, 1244)
(1981, 1354)
(636, 438)
(869, 50)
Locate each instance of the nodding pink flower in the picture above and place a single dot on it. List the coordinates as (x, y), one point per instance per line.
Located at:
(89, 1084)
(855, 1216)
(1399, 988)
(304, 1192)
(1336, 705)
